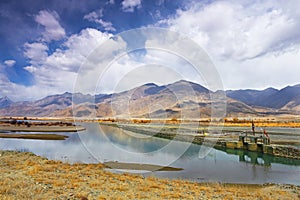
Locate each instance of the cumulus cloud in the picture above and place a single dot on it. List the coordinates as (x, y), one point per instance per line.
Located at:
(239, 30)
(15, 91)
(78, 47)
(130, 5)
(36, 52)
(164, 60)
(56, 72)
(261, 72)
(96, 16)
(156, 66)
(254, 45)
(9, 63)
(53, 29)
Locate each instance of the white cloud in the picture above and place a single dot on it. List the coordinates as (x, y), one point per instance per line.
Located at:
(161, 63)
(18, 92)
(35, 52)
(53, 29)
(57, 72)
(238, 30)
(30, 69)
(254, 45)
(95, 16)
(97, 63)
(92, 16)
(9, 63)
(261, 72)
(156, 66)
(130, 5)
(78, 48)
(94, 61)
(106, 25)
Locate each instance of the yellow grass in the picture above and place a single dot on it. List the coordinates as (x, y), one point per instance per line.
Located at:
(229, 121)
(26, 176)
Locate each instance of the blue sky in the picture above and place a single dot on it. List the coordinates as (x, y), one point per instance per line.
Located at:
(253, 44)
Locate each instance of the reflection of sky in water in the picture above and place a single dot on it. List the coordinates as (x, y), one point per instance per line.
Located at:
(70, 150)
(92, 146)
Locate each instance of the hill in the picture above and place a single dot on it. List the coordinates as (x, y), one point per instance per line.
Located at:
(182, 99)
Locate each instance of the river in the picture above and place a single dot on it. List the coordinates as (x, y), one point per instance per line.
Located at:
(102, 144)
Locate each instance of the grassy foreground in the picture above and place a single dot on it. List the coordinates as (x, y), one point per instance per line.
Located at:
(27, 176)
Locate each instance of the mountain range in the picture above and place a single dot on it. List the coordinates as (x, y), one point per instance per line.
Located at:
(166, 101)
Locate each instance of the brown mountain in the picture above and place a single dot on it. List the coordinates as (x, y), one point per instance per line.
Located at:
(286, 100)
(181, 99)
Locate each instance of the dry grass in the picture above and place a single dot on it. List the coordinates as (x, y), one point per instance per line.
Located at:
(34, 136)
(26, 176)
(265, 124)
(233, 121)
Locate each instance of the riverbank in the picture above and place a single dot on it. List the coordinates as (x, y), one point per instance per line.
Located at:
(25, 125)
(40, 128)
(219, 138)
(287, 121)
(34, 136)
(26, 176)
(283, 121)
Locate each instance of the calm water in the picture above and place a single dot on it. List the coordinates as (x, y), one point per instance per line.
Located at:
(98, 144)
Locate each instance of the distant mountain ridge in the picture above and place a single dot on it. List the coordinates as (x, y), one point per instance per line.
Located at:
(252, 97)
(269, 98)
(5, 102)
(166, 101)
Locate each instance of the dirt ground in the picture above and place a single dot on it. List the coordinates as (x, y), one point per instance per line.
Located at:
(27, 176)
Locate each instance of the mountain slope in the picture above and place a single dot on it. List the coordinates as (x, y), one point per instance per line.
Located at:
(45, 106)
(286, 98)
(253, 97)
(5, 102)
(181, 99)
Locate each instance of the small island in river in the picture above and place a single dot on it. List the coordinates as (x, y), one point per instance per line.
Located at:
(10, 128)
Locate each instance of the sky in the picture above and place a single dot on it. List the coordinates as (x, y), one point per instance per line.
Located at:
(50, 47)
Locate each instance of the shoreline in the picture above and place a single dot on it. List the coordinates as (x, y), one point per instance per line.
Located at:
(43, 128)
(29, 125)
(34, 136)
(198, 137)
(25, 175)
(287, 121)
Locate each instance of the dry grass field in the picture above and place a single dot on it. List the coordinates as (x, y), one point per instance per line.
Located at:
(285, 121)
(232, 121)
(27, 176)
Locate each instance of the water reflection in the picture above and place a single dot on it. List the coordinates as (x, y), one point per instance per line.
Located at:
(258, 158)
(112, 144)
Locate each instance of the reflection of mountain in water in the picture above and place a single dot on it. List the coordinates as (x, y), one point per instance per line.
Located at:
(113, 144)
(148, 144)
